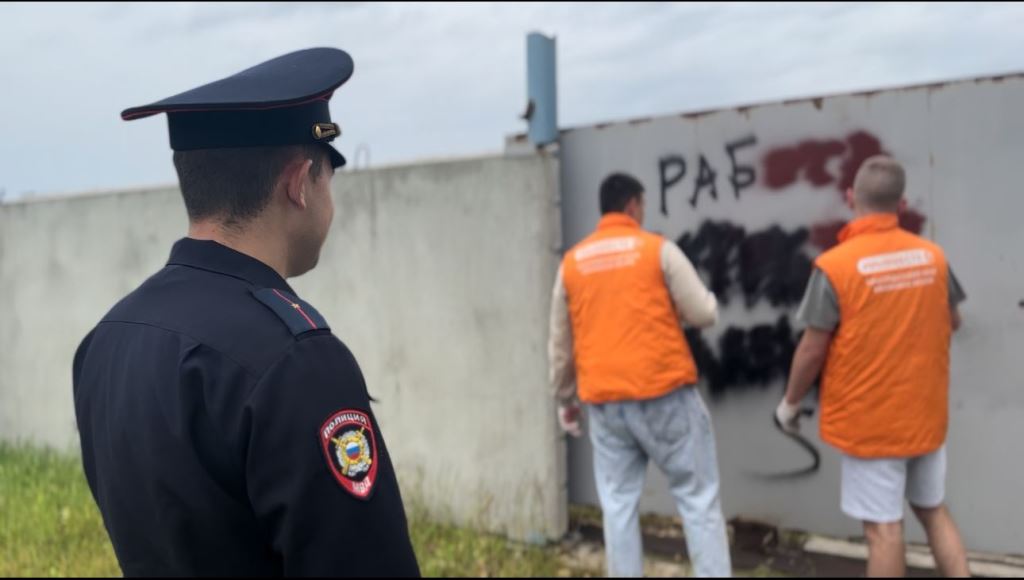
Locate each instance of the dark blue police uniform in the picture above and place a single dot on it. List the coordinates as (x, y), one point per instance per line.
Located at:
(224, 429)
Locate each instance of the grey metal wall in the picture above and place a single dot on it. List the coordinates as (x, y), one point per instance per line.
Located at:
(778, 171)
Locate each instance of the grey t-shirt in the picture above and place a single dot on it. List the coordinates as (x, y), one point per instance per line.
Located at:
(820, 307)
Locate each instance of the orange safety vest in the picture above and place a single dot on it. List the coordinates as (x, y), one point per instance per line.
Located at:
(627, 342)
(884, 390)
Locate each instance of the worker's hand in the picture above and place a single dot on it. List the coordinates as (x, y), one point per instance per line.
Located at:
(569, 417)
(788, 416)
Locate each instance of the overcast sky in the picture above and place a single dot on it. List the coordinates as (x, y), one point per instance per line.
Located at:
(440, 80)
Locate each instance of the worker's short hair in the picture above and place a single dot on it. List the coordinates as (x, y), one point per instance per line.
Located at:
(879, 183)
(616, 191)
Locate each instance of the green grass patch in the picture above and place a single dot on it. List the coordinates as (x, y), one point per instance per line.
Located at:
(50, 527)
(445, 550)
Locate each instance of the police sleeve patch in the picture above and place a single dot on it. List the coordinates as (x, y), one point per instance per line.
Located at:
(350, 448)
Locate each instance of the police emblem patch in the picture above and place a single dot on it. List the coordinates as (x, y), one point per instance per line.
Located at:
(350, 448)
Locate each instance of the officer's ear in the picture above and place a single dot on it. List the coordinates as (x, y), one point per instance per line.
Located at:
(296, 176)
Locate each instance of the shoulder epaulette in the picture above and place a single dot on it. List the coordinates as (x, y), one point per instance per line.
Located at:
(299, 315)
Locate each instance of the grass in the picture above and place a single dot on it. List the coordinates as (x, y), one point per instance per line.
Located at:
(50, 526)
(447, 551)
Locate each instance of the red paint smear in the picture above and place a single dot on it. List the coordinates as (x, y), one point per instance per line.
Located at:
(862, 145)
(784, 165)
(809, 159)
(816, 154)
(781, 167)
(912, 221)
(825, 235)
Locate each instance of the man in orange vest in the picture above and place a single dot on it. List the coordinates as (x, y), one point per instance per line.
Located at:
(880, 308)
(619, 303)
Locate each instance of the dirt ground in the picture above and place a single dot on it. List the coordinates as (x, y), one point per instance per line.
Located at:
(758, 550)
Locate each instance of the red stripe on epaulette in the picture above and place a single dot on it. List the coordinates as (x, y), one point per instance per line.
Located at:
(296, 306)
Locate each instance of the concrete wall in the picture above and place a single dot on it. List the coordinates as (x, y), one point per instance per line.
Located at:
(436, 276)
(63, 264)
(784, 166)
(439, 278)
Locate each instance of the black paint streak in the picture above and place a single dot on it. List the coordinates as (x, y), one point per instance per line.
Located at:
(666, 162)
(714, 251)
(743, 176)
(705, 178)
(773, 266)
(746, 358)
(768, 264)
(672, 169)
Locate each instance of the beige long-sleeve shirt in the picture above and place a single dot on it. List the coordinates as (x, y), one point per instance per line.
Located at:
(694, 304)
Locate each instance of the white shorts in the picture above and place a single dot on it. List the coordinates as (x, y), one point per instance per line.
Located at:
(873, 489)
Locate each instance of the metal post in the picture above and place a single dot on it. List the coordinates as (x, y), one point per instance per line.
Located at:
(541, 89)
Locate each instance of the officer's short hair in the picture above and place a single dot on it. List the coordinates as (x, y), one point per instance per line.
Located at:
(234, 184)
(616, 191)
(879, 183)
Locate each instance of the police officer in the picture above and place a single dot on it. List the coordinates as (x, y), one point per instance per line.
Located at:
(224, 429)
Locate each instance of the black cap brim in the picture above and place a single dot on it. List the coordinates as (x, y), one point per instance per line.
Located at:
(283, 101)
(285, 81)
(337, 159)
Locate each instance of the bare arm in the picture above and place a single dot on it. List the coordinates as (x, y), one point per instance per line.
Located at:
(807, 364)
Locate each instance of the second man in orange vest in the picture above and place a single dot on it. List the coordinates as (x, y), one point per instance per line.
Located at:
(880, 308)
(620, 301)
